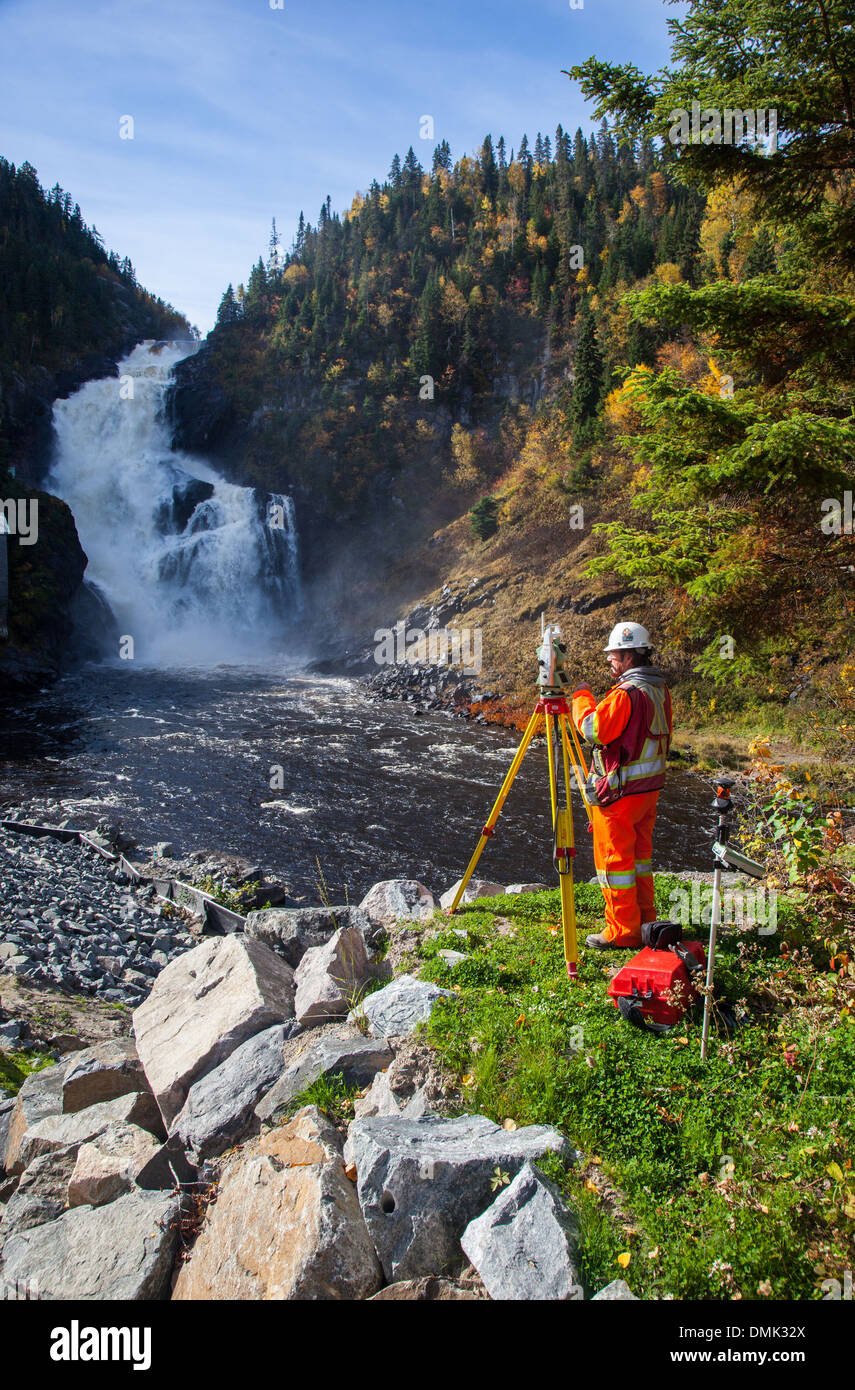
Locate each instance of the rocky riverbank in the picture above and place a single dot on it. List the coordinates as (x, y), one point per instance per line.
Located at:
(73, 921)
(158, 1165)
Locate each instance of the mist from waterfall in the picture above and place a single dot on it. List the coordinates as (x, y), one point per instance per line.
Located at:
(196, 570)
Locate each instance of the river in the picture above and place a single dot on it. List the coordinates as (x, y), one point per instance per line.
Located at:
(367, 789)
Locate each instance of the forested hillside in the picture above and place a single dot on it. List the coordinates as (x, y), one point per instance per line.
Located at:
(399, 351)
(66, 305)
(658, 333)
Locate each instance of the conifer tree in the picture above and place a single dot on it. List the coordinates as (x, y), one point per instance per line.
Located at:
(588, 372)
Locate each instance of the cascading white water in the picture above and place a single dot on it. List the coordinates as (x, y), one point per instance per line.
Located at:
(196, 569)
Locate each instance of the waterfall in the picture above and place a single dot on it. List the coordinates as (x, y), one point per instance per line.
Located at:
(195, 569)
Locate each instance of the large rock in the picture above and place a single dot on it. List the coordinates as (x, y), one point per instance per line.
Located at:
(515, 888)
(218, 1111)
(7, 1105)
(39, 1096)
(352, 1057)
(329, 978)
(124, 1251)
(291, 932)
(526, 1244)
(202, 1006)
(475, 888)
(40, 1195)
(421, 1182)
(618, 1291)
(286, 1224)
(398, 899)
(400, 1007)
(103, 1072)
(70, 1131)
(382, 1100)
(109, 1165)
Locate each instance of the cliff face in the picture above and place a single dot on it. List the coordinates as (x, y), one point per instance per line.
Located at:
(26, 408)
(46, 563)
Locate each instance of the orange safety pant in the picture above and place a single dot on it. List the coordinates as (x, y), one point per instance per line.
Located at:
(623, 846)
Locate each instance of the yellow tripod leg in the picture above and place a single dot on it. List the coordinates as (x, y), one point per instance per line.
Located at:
(564, 842)
(512, 771)
(550, 754)
(579, 767)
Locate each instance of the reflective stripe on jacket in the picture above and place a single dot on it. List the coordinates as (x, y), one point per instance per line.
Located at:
(631, 732)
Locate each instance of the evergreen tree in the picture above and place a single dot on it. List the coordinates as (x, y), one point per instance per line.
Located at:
(761, 256)
(489, 172)
(442, 157)
(228, 311)
(483, 518)
(587, 372)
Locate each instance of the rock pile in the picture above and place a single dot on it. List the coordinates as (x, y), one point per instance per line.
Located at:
(105, 1154)
(72, 920)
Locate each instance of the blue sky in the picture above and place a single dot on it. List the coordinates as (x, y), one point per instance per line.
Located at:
(243, 112)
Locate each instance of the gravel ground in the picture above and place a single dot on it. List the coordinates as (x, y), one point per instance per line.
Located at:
(71, 920)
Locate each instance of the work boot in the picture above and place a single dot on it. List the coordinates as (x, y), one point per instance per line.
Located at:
(598, 942)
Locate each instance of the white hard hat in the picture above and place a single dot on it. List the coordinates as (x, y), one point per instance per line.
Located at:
(627, 636)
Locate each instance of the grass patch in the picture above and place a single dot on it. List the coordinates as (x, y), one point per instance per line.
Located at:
(734, 1179)
(16, 1066)
(331, 1094)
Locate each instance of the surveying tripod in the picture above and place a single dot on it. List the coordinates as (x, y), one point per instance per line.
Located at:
(552, 714)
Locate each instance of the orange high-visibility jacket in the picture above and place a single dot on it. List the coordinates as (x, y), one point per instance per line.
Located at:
(620, 771)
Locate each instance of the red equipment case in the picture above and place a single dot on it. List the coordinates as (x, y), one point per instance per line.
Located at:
(659, 982)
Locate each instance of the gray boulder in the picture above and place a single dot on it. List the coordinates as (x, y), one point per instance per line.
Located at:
(526, 1244)
(109, 1165)
(291, 932)
(7, 1105)
(355, 1058)
(123, 1251)
(382, 1100)
(421, 1182)
(286, 1224)
(218, 1111)
(203, 1006)
(475, 888)
(70, 1131)
(398, 899)
(617, 1291)
(103, 1072)
(40, 1195)
(514, 888)
(400, 1006)
(329, 978)
(40, 1095)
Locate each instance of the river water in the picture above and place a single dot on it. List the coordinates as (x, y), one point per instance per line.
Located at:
(368, 789)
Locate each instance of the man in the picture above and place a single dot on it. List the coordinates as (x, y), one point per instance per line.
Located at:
(631, 732)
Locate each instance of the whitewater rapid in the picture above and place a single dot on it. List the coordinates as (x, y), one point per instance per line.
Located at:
(196, 570)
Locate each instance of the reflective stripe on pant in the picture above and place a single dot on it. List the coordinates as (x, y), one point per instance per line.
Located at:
(623, 835)
(644, 886)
